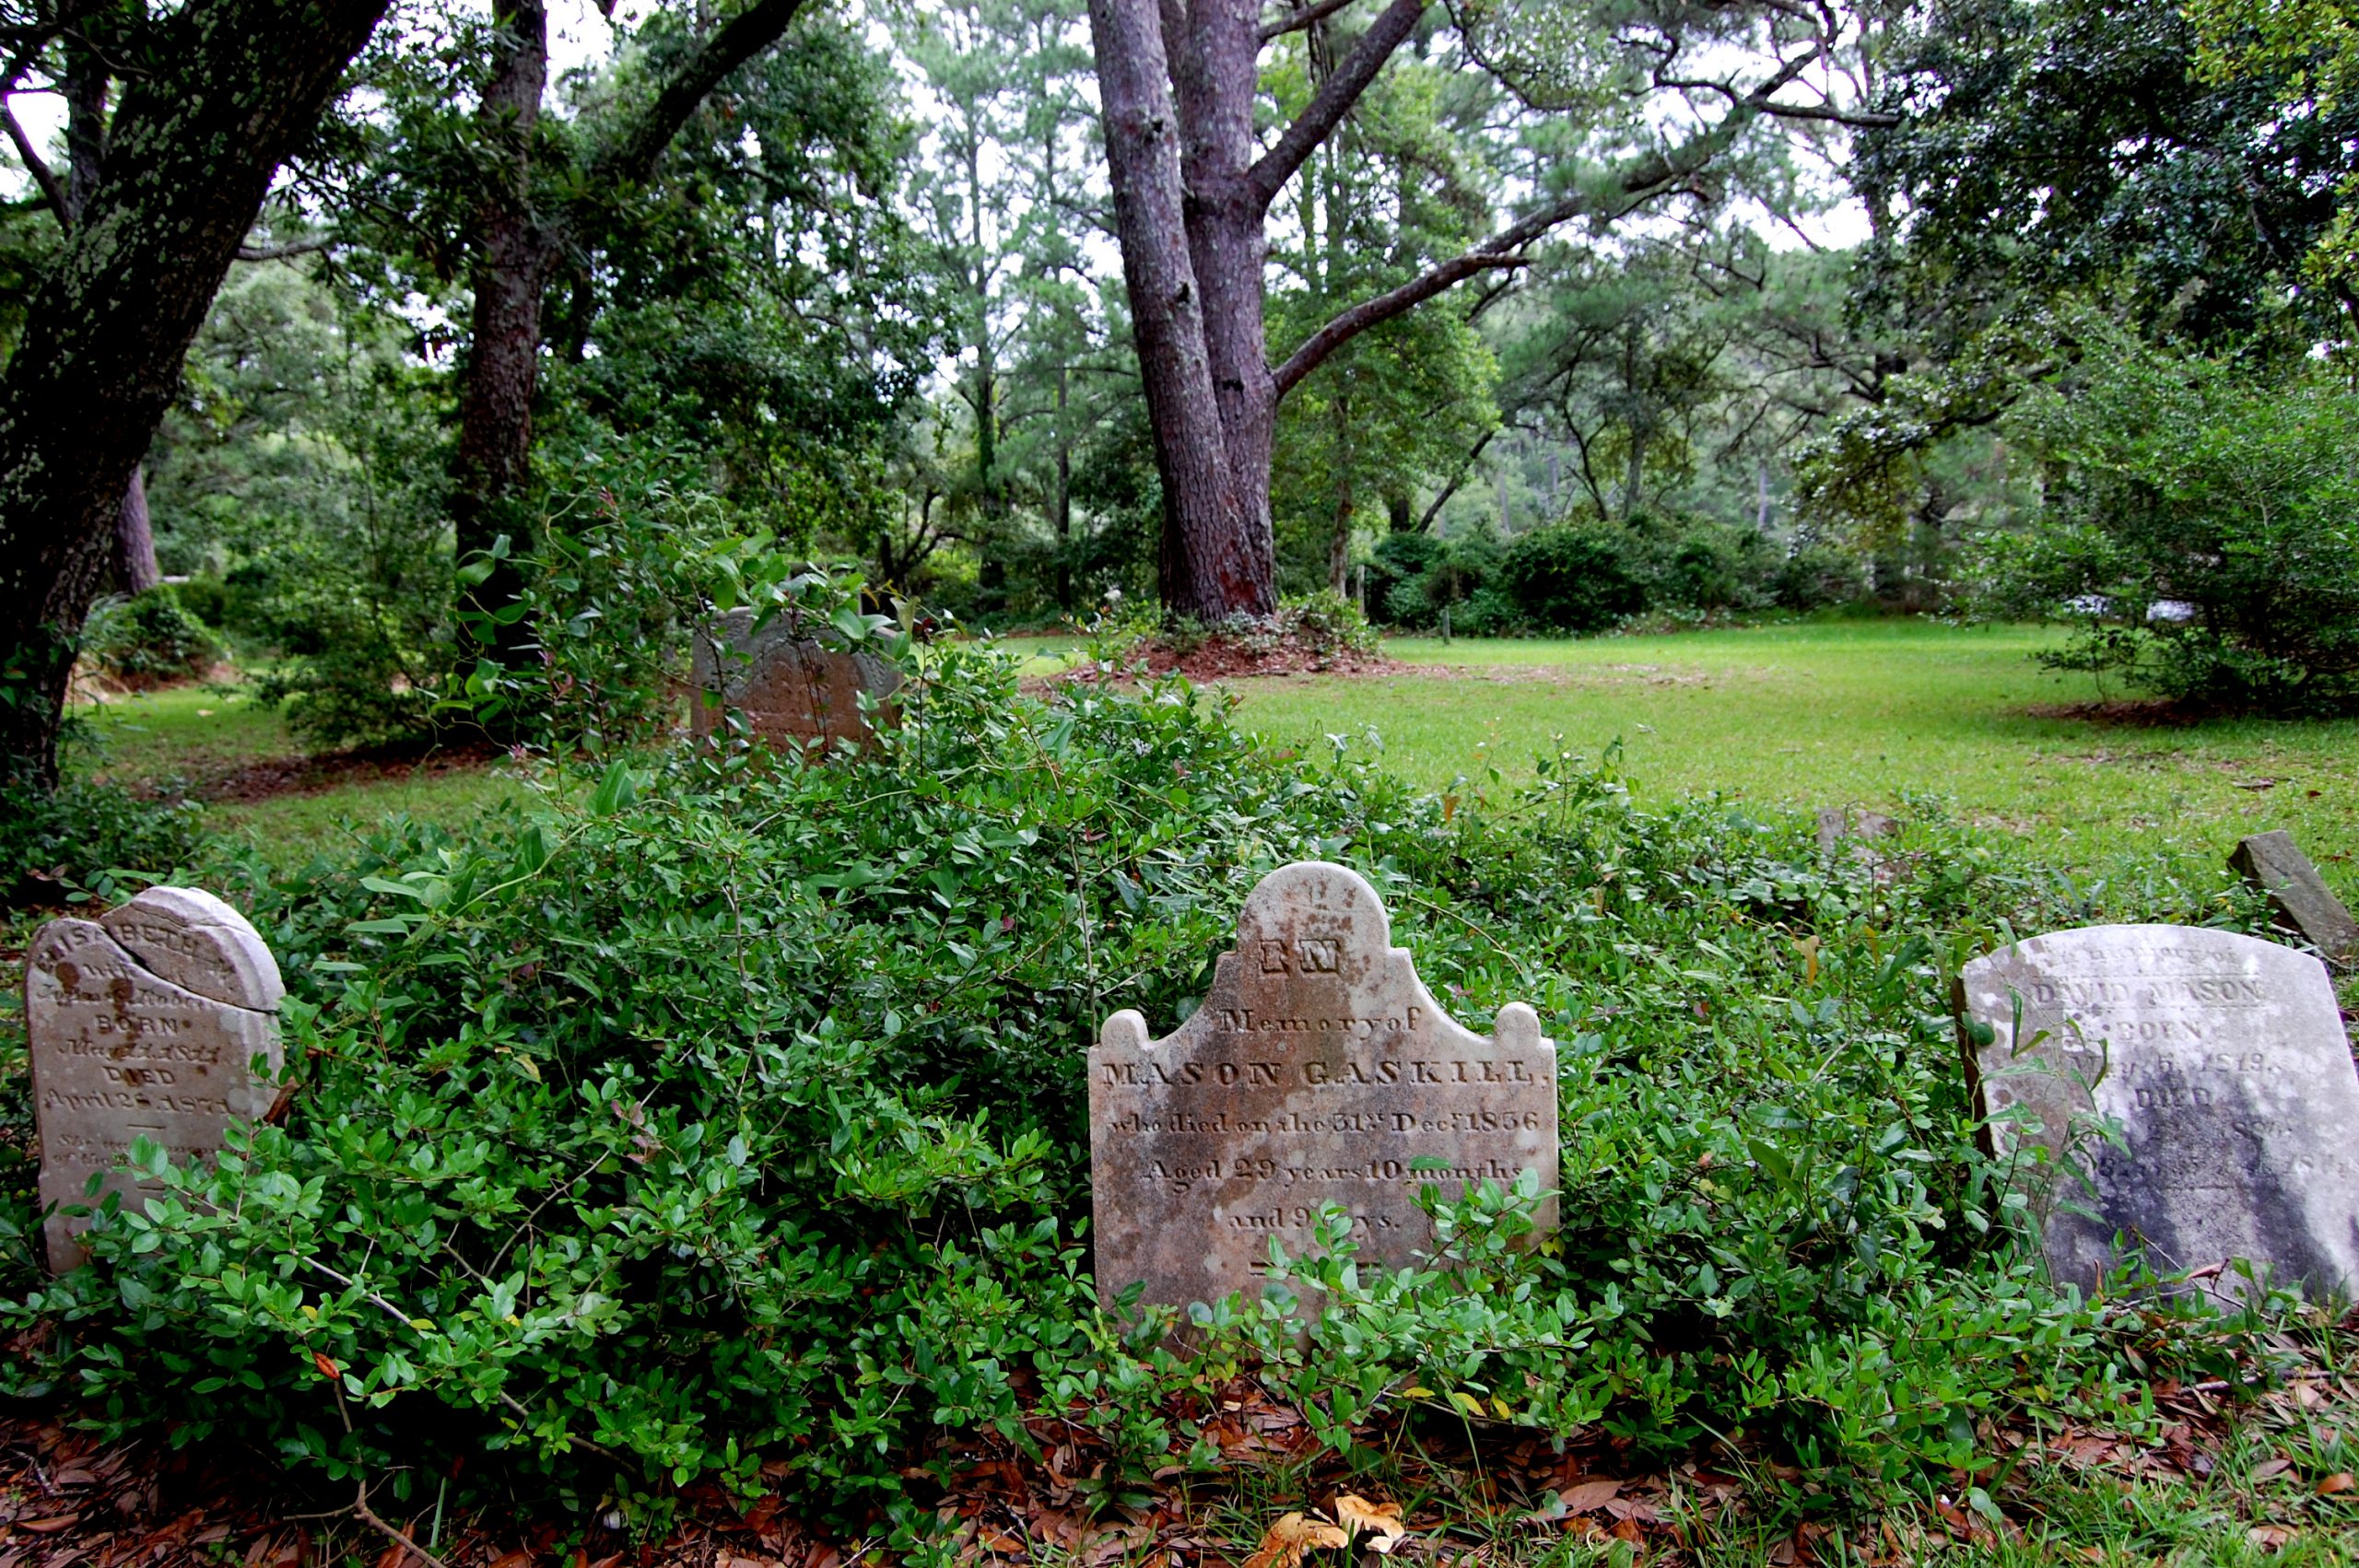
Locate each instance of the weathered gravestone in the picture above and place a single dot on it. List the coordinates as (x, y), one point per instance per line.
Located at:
(2271, 862)
(2224, 1063)
(1318, 1070)
(145, 1022)
(789, 687)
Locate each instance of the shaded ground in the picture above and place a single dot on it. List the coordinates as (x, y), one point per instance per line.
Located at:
(2222, 1476)
(267, 777)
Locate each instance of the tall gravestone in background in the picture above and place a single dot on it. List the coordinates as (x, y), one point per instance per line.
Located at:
(145, 1022)
(2224, 1060)
(789, 687)
(1319, 1070)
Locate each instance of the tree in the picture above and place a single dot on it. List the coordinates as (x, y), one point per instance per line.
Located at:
(525, 227)
(1194, 188)
(231, 87)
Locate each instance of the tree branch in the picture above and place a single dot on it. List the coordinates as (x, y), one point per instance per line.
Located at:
(282, 252)
(632, 159)
(1383, 307)
(1335, 98)
(1294, 21)
(1640, 183)
(35, 166)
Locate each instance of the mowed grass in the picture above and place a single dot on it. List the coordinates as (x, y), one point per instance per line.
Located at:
(1846, 713)
(195, 736)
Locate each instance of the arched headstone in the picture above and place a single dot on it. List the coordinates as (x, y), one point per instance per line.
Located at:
(1319, 1070)
(158, 1020)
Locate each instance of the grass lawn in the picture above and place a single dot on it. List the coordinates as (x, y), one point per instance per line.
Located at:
(1847, 713)
(201, 736)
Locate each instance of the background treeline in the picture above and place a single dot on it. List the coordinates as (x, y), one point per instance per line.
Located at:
(2087, 355)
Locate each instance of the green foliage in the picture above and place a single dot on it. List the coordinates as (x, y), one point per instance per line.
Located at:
(152, 637)
(2202, 524)
(1577, 579)
(721, 1118)
(65, 843)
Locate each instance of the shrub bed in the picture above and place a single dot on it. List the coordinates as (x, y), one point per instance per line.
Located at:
(722, 1119)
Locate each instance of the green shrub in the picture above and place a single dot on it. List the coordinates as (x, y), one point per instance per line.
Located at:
(56, 843)
(1577, 579)
(724, 1120)
(149, 638)
(2198, 525)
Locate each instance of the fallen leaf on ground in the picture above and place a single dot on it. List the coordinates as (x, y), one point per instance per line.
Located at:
(2270, 1468)
(1283, 1543)
(2338, 1482)
(1380, 1522)
(2268, 1537)
(1584, 1496)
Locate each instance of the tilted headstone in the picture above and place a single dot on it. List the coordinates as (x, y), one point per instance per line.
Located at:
(1319, 1070)
(1837, 823)
(158, 1020)
(2271, 862)
(788, 686)
(2223, 1061)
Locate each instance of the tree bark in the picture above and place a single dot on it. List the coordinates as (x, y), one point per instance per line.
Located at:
(134, 537)
(1215, 559)
(86, 152)
(235, 83)
(494, 458)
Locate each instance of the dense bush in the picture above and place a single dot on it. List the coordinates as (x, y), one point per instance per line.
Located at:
(54, 843)
(1574, 579)
(2199, 525)
(149, 638)
(726, 1117)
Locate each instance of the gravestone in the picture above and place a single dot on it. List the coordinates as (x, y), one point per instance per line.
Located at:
(145, 1022)
(789, 687)
(2223, 1061)
(1837, 823)
(2271, 862)
(1319, 1070)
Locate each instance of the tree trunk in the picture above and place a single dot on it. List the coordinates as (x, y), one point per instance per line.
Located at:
(1339, 543)
(86, 152)
(235, 83)
(495, 454)
(135, 538)
(1064, 494)
(1211, 403)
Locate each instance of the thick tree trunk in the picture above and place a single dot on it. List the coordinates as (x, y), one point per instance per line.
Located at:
(86, 153)
(1216, 557)
(494, 461)
(235, 83)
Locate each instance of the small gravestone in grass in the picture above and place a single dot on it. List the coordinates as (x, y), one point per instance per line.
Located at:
(1319, 1070)
(158, 1021)
(787, 685)
(2222, 1063)
(2273, 865)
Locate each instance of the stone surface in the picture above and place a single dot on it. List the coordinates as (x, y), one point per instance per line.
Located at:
(2271, 863)
(145, 1022)
(788, 688)
(2224, 1063)
(1317, 1071)
(1837, 824)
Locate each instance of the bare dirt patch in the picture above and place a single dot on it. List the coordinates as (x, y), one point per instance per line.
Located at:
(266, 777)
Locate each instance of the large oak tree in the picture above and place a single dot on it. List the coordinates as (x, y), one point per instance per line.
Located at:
(1179, 83)
(220, 92)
